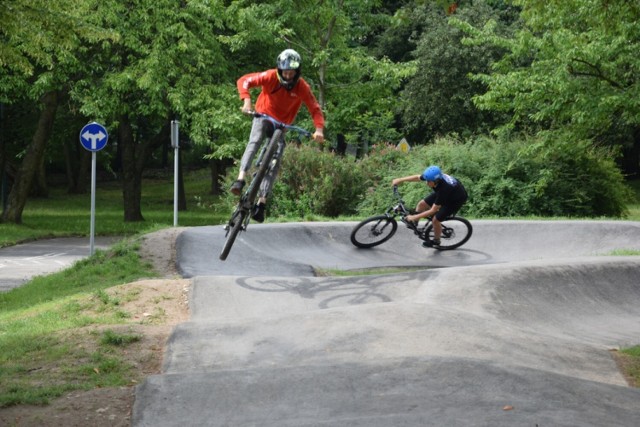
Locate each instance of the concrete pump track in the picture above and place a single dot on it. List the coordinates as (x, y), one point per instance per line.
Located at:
(515, 328)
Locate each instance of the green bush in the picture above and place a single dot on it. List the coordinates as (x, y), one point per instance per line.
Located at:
(522, 177)
(317, 182)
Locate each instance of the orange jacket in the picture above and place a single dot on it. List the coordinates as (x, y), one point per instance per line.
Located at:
(281, 104)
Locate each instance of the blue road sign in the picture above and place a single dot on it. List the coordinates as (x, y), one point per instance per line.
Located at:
(94, 136)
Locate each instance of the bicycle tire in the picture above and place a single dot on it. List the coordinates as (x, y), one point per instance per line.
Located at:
(456, 231)
(237, 219)
(373, 231)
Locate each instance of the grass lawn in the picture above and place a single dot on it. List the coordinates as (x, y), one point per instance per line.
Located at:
(63, 214)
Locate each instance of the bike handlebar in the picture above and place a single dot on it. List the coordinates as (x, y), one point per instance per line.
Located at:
(279, 125)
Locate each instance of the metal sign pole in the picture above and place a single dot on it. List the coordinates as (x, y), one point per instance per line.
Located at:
(92, 231)
(175, 125)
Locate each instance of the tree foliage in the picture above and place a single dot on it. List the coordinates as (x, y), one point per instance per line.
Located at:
(38, 38)
(572, 67)
(438, 99)
(355, 89)
(167, 64)
(39, 43)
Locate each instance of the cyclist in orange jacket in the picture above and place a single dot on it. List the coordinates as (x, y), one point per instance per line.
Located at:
(283, 92)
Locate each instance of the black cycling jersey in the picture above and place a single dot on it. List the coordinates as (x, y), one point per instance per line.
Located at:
(448, 190)
(449, 194)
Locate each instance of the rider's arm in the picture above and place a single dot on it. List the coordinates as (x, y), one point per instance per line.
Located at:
(312, 105)
(410, 178)
(248, 81)
(247, 107)
(243, 84)
(318, 135)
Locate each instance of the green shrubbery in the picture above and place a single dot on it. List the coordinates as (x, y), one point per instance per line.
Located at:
(522, 177)
(316, 182)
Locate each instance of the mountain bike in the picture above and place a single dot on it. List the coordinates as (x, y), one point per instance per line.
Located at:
(375, 230)
(264, 162)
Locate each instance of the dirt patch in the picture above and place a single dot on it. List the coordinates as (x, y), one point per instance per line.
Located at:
(155, 306)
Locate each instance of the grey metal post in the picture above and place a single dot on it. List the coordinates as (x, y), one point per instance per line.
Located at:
(4, 188)
(92, 228)
(175, 125)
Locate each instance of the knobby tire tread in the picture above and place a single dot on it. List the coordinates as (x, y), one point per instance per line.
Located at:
(233, 233)
(443, 246)
(388, 220)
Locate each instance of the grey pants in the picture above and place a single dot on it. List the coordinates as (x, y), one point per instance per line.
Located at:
(258, 134)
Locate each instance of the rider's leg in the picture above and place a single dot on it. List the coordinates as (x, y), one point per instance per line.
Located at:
(426, 203)
(422, 206)
(444, 212)
(258, 131)
(437, 229)
(272, 173)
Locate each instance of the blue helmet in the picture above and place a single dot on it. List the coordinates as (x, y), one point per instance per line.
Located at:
(432, 173)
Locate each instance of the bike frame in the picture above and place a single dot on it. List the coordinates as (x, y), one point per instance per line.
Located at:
(399, 209)
(241, 216)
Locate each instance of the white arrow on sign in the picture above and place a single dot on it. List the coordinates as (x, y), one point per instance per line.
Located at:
(94, 138)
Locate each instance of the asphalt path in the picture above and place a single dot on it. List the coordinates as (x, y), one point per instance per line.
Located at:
(515, 328)
(21, 263)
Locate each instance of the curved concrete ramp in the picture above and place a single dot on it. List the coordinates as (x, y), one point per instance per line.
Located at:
(294, 249)
(517, 331)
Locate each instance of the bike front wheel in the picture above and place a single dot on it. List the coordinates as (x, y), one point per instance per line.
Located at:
(374, 231)
(456, 231)
(233, 228)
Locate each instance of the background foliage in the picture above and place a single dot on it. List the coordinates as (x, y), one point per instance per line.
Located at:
(555, 82)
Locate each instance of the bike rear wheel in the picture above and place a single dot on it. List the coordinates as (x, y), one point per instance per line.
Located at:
(374, 231)
(456, 231)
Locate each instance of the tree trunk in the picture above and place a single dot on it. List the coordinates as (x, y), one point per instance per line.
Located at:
(134, 158)
(39, 187)
(131, 181)
(4, 179)
(631, 157)
(78, 166)
(218, 169)
(20, 191)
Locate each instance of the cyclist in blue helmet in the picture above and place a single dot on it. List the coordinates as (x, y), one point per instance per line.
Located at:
(445, 200)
